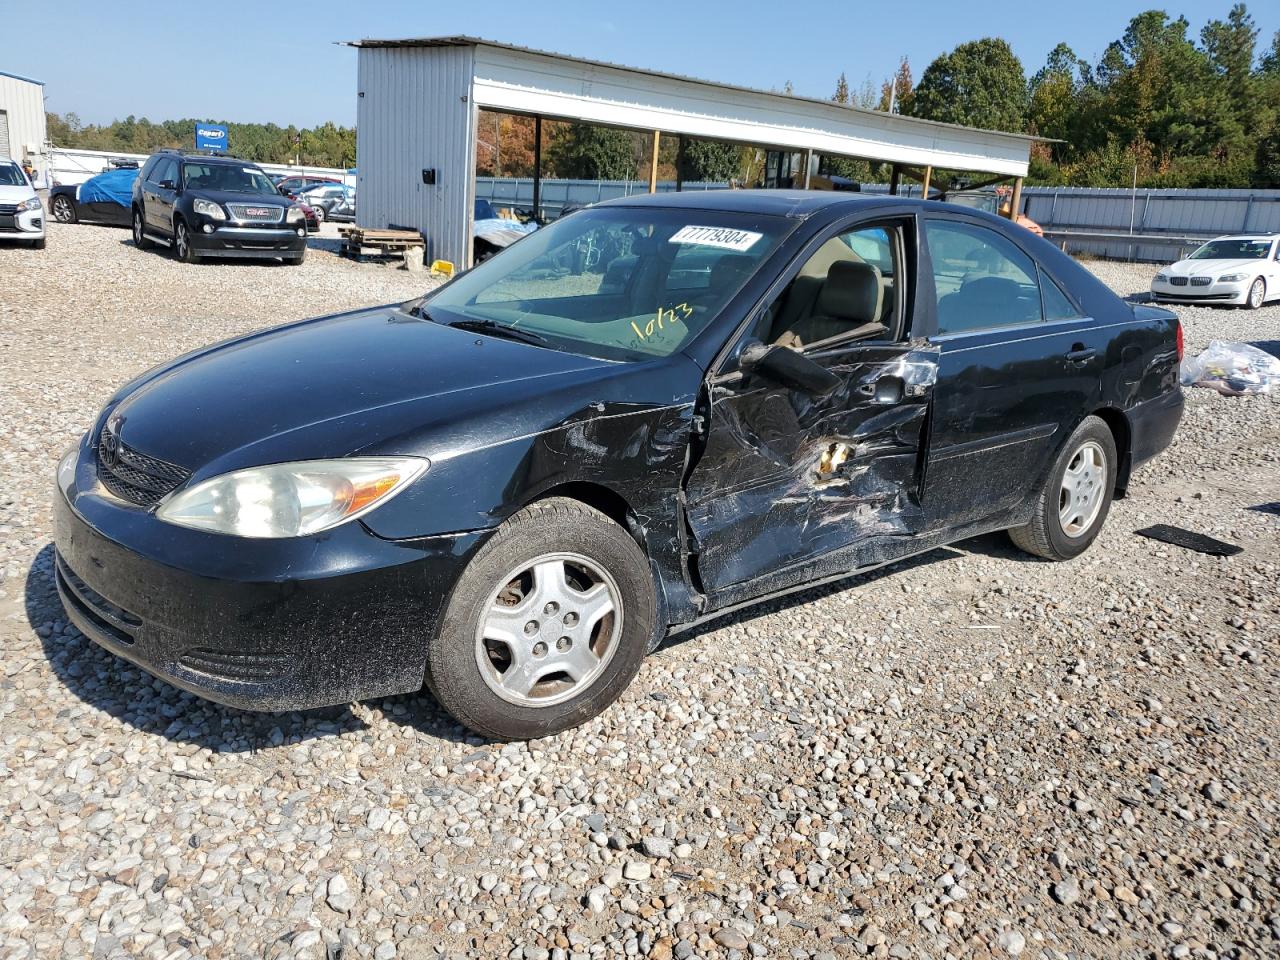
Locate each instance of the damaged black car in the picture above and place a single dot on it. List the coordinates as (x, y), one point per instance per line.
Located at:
(640, 417)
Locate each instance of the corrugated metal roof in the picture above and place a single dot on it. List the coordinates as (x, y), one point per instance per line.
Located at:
(14, 76)
(467, 41)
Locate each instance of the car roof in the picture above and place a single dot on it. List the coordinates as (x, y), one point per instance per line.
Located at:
(1247, 236)
(782, 203)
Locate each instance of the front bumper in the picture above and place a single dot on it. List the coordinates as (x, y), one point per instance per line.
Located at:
(27, 225)
(234, 240)
(256, 624)
(1216, 292)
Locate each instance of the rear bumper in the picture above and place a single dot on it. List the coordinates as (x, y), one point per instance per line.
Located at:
(1152, 424)
(258, 625)
(249, 242)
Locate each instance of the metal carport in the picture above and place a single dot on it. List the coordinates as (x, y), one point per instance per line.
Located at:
(417, 112)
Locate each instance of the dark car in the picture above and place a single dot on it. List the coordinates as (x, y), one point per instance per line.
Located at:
(514, 488)
(204, 206)
(105, 199)
(292, 186)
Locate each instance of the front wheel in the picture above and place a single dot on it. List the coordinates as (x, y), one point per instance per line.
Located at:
(139, 234)
(182, 243)
(39, 244)
(320, 214)
(1072, 506)
(1257, 294)
(64, 210)
(547, 625)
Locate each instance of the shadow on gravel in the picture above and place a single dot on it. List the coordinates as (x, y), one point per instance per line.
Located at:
(1270, 346)
(131, 695)
(801, 597)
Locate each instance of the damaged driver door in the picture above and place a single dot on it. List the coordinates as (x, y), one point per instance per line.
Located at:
(803, 479)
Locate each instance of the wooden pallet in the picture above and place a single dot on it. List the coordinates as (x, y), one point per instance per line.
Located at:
(361, 243)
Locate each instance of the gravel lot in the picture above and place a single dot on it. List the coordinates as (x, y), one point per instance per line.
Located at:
(969, 754)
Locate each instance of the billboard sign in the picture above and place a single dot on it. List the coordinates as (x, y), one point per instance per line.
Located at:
(211, 136)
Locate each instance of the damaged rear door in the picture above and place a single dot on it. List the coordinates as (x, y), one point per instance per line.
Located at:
(787, 477)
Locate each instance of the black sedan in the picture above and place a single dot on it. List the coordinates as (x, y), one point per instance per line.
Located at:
(511, 490)
(102, 199)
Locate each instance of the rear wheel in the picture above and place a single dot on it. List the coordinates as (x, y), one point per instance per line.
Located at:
(139, 234)
(547, 625)
(1257, 294)
(320, 214)
(1072, 506)
(182, 242)
(64, 211)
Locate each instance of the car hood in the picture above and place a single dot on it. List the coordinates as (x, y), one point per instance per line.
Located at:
(10, 194)
(373, 381)
(1209, 268)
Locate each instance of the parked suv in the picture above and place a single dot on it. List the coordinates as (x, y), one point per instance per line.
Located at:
(205, 206)
(21, 212)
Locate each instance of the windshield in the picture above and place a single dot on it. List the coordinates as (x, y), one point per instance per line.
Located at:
(11, 175)
(623, 283)
(225, 176)
(1233, 250)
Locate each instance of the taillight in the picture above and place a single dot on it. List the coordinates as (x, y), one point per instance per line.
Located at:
(1181, 348)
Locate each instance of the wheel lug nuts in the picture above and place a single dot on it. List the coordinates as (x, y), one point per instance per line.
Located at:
(539, 649)
(551, 608)
(563, 644)
(571, 619)
(531, 628)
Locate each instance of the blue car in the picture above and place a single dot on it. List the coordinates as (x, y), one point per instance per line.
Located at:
(100, 199)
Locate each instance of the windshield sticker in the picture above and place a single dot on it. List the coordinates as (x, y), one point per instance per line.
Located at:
(723, 237)
(662, 319)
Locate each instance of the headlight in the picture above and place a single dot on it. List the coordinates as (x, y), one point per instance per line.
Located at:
(210, 209)
(32, 204)
(1231, 278)
(1162, 278)
(294, 215)
(291, 499)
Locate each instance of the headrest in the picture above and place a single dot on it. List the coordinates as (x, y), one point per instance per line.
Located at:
(852, 292)
(729, 270)
(990, 293)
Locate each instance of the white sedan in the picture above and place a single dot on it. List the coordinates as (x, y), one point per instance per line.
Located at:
(21, 212)
(1244, 271)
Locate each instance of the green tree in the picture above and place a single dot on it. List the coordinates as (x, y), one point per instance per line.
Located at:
(842, 90)
(710, 160)
(979, 84)
(1053, 102)
(584, 151)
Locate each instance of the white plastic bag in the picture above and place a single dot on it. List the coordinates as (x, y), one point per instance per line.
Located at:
(1233, 369)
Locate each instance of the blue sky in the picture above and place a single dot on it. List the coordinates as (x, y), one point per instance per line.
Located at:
(264, 62)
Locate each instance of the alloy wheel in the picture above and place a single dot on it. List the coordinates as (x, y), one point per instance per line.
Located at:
(1257, 292)
(549, 630)
(137, 229)
(62, 211)
(180, 241)
(1083, 486)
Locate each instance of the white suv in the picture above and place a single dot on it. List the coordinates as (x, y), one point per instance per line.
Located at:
(1242, 270)
(21, 212)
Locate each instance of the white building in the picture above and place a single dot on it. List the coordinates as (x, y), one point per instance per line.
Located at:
(22, 127)
(416, 116)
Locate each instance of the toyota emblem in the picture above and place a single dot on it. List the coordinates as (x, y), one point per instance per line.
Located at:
(111, 442)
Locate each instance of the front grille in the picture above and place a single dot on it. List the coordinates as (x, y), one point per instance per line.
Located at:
(241, 211)
(115, 621)
(136, 477)
(8, 209)
(241, 667)
(1178, 281)
(1201, 281)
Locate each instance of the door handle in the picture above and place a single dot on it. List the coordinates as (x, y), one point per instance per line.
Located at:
(1079, 353)
(887, 390)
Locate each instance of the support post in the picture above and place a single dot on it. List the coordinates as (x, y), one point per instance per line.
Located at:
(808, 166)
(653, 163)
(895, 174)
(679, 163)
(537, 168)
(1015, 205)
(924, 182)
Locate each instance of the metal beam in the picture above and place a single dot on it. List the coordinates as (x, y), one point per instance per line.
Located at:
(808, 165)
(653, 163)
(537, 169)
(895, 175)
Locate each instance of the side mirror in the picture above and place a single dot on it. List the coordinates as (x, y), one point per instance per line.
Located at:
(786, 367)
(167, 185)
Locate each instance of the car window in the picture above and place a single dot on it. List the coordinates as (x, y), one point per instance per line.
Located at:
(616, 282)
(11, 175)
(980, 278)
(230, 177)
(167, 170)
(1232, 250)
(1057, 306)
(848, 288)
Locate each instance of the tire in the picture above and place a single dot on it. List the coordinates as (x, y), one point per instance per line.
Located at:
(64, 211)
(139, 237)
(294, 261)
(1060, 527)
(39, 244)
(1257, 294)
(182, 242)
(475, 677)
(320, 214)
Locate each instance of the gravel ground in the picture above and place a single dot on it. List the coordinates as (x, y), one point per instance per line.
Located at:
(970, 754)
